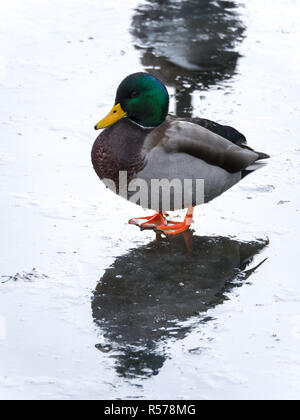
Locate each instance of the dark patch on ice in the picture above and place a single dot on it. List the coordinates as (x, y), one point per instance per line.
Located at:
(155, 293)
(190, 45)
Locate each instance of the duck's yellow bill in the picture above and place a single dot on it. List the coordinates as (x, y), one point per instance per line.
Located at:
(115, 115)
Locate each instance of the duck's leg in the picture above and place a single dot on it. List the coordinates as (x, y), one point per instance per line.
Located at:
(174, 228)
(150, 222)
(189, 243)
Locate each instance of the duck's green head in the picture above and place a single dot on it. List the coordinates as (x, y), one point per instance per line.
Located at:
(140, 97)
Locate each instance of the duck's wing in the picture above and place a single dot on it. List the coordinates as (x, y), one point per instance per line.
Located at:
(195, 140)
(225, 131)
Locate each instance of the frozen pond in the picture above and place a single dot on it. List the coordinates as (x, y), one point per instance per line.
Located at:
(95, 308)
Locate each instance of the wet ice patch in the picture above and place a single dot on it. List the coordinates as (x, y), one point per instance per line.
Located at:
(258, 188)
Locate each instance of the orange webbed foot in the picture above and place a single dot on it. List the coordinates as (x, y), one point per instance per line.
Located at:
(150, 222)
(161, 225)
(175, 228)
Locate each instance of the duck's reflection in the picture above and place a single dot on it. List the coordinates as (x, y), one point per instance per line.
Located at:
(149, 294)
(189, 44)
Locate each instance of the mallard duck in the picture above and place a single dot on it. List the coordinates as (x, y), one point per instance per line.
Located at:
(142, 149)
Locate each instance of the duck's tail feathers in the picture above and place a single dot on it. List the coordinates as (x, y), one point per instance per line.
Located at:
(262, 156)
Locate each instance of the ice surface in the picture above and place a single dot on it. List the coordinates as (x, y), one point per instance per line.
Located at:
(60, 63)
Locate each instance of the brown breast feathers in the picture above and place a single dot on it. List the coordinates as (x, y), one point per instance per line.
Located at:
(119, 148)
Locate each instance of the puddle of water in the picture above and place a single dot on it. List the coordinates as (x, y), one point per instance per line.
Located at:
(161, 293)
(202, 52)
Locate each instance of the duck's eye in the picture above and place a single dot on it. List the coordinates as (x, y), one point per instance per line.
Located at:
(134, 94)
